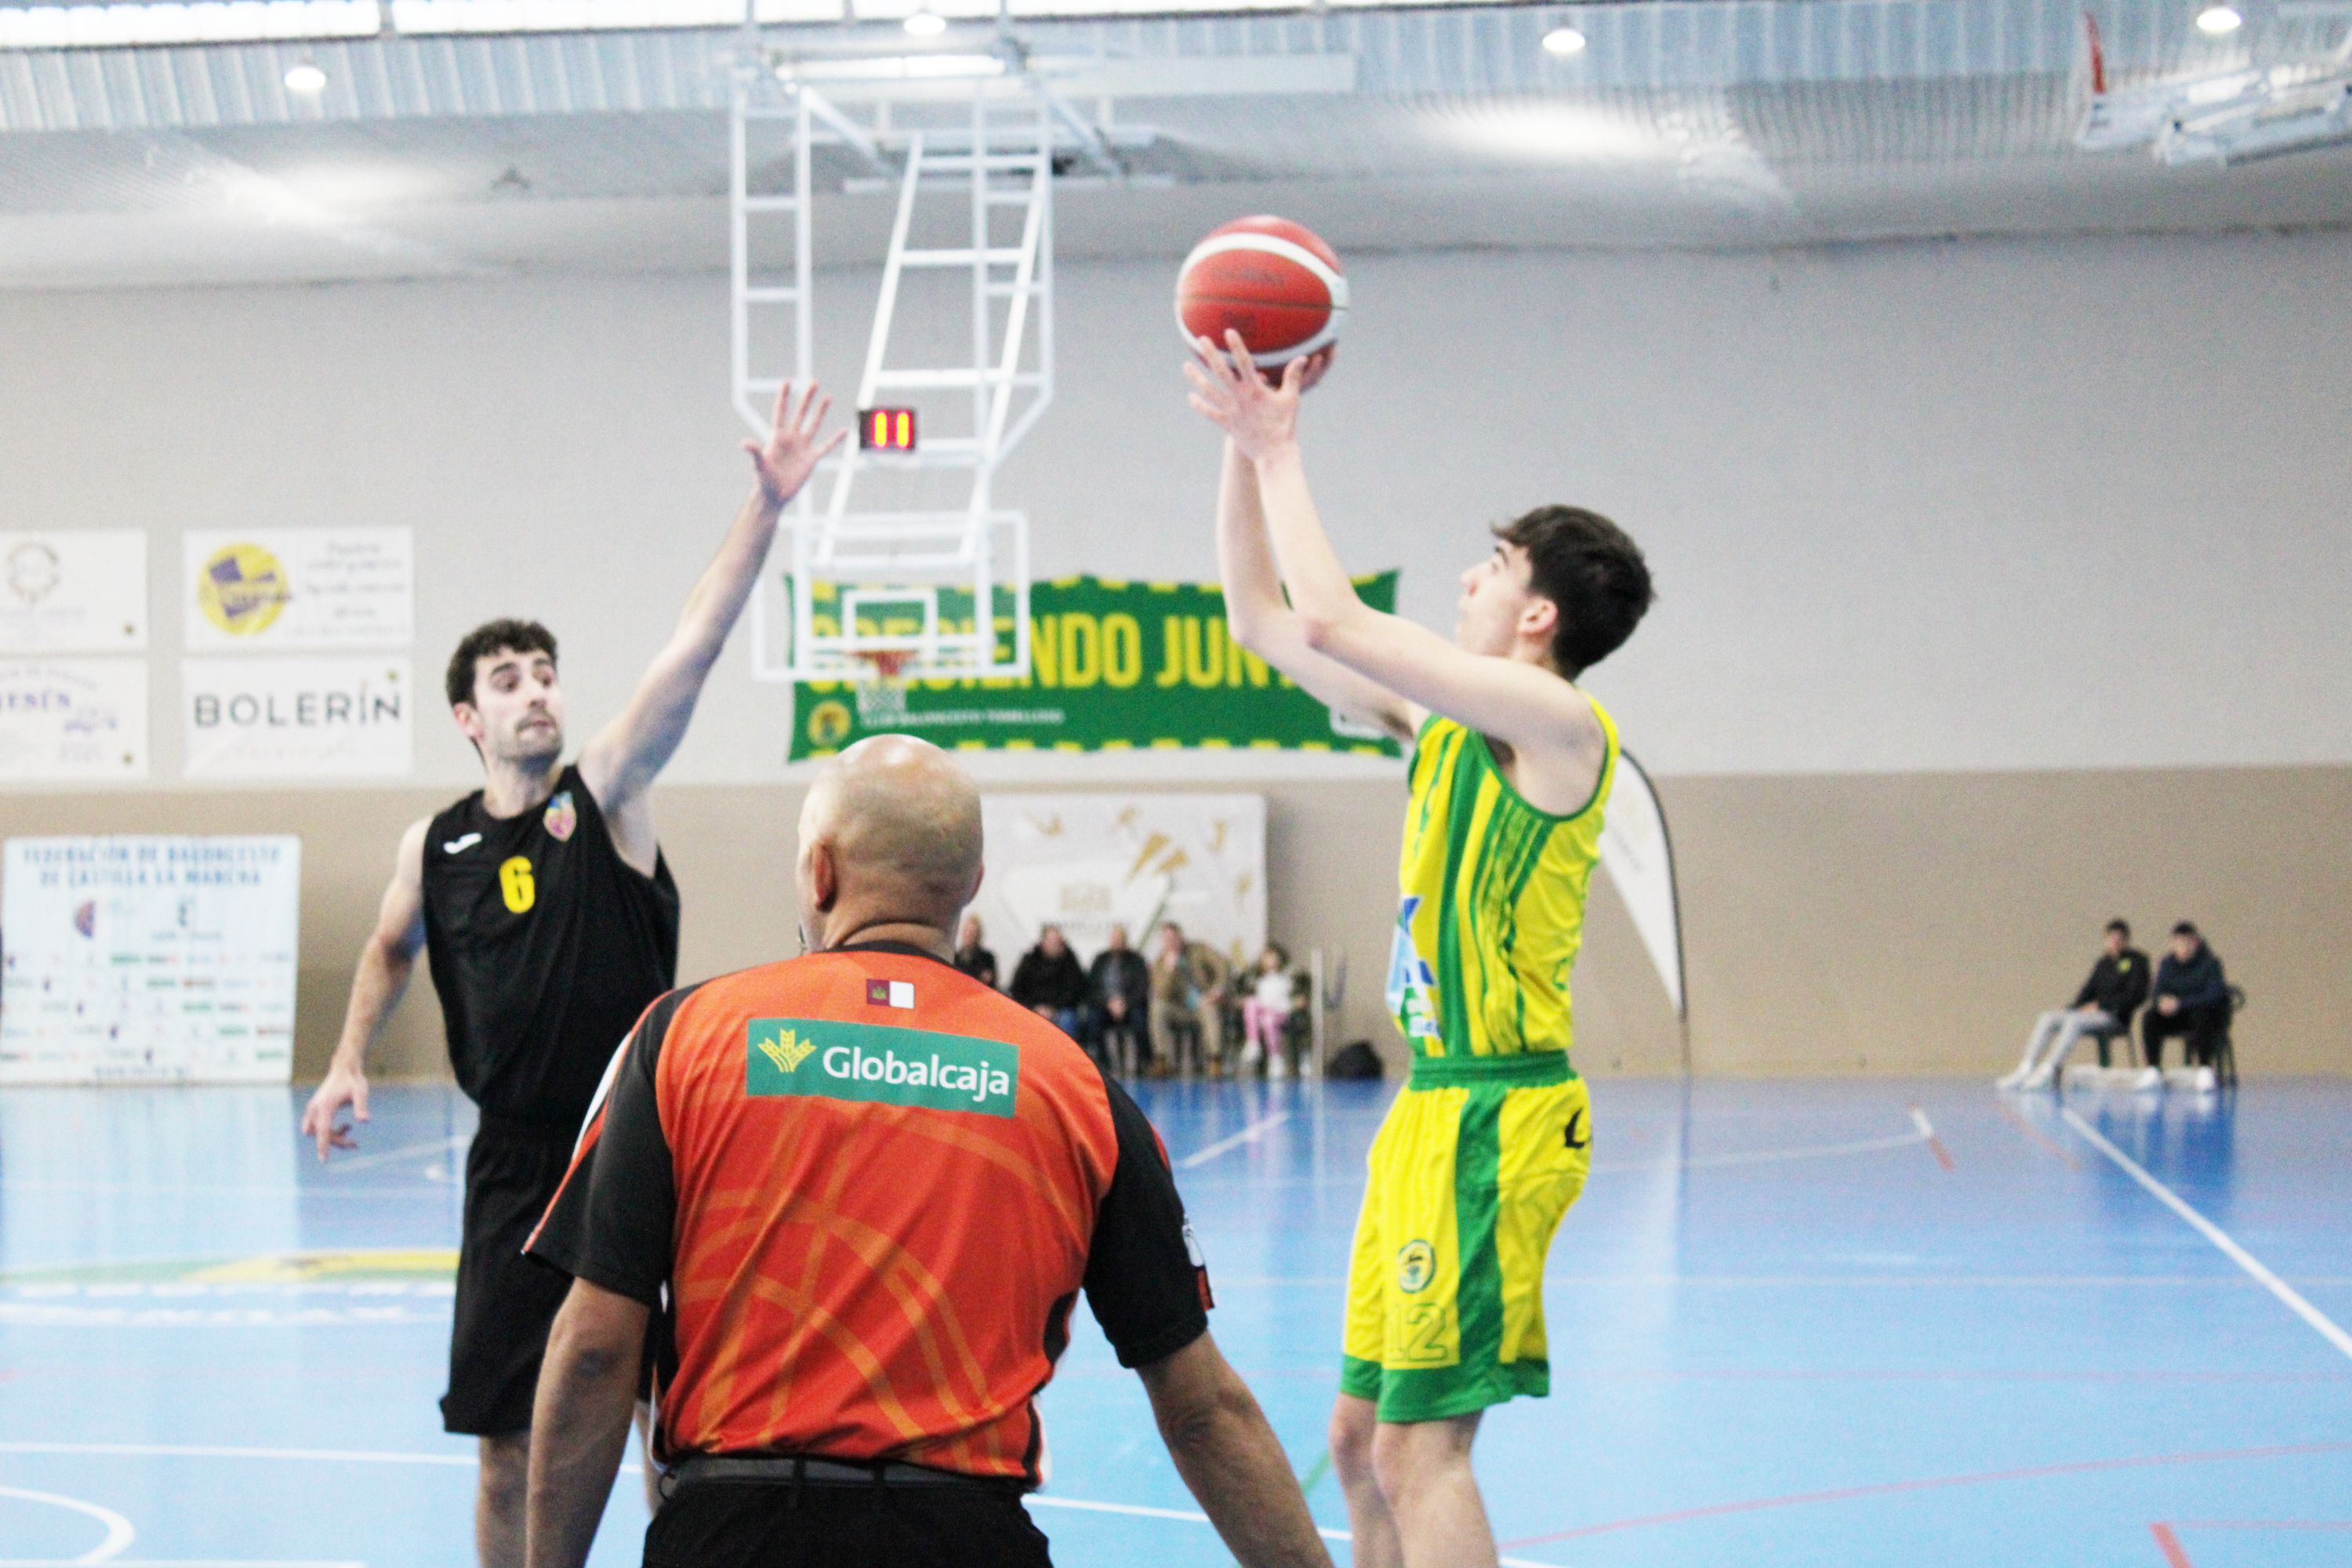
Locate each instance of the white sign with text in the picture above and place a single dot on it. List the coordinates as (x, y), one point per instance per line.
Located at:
(73, 591)
(149, 959)
(296, 718)
(274, 588)
(1088, 862)
(72, 720)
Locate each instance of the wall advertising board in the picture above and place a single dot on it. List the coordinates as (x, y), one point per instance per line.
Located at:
(149, 959)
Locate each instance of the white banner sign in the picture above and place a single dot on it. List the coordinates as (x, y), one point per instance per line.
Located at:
(1088, 862)
(295, 718)
(151, 959)
(299, 588)
(1640, 859)
(64, 719)
(76, 591)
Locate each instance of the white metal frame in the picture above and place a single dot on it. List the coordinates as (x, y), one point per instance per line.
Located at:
(1001, 159)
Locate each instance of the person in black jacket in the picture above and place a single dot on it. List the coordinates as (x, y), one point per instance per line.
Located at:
(1049, 981)
(971, 957)
(2192, 1000)
(1118, 1001)
(2102, 1008)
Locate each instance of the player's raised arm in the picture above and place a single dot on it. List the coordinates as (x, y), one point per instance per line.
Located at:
(1262, 623)
(1525, 705)
(621, 762)
(387, 959)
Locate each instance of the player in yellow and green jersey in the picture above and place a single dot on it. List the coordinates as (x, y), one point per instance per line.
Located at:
(1511, 762)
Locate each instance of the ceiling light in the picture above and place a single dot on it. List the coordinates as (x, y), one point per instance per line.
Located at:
(927, 24)
(305, 77)
(2217, 20)
(1564, 41)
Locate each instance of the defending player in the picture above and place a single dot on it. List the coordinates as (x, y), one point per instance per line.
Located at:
(1511, 763)
(551, 921)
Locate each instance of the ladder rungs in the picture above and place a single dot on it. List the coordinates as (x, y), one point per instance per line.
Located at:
(764, 295)
(771, 203)
(1007, 291)
(948, 379)
(997, 256)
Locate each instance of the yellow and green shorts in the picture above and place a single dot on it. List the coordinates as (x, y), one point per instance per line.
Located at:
(1477, 1161)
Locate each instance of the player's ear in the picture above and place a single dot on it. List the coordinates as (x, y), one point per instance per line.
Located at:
(469, 721)
(1540, 619)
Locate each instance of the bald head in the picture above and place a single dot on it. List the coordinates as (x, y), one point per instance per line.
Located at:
(889, 835)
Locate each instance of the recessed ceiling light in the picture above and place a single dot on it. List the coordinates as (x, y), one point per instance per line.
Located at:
(306, 79)
(927, 24)
(2218, 20)
(1564, 41)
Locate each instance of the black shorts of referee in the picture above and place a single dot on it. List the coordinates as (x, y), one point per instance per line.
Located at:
(818, 1513)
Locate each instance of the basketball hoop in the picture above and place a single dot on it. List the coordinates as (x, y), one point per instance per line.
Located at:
(882, 689)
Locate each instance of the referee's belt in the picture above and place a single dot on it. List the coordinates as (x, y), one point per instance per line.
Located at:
(799, 1470)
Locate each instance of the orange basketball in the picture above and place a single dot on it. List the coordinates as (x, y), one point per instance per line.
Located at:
(1270, 280)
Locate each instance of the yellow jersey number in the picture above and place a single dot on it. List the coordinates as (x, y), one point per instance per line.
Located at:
(515, 884)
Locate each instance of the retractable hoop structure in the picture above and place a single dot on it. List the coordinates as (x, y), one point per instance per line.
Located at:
(970, 139)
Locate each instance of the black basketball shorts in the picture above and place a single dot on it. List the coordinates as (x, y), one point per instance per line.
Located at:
(506, 1303)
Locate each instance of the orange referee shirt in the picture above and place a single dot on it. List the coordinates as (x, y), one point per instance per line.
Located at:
(871, 1189)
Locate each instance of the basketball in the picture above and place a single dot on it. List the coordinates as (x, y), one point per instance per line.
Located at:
(1272, 281)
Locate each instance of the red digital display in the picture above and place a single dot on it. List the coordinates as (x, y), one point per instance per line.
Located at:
(886, 429)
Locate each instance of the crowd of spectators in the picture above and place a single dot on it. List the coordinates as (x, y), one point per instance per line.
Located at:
(1179, 1011)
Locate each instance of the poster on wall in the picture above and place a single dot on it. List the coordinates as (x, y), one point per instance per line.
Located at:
(296, 718)
(149, 959)
(274, 588)
(1088, 862)
(1113, 666)
(74, 591)
(66, 721)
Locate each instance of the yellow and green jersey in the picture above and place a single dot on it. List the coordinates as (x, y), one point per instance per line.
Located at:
(1492, 906)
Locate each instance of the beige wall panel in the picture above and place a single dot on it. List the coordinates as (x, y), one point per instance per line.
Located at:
(1857, 924)
(1917, 922)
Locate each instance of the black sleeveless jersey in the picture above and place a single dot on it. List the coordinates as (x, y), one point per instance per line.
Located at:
(545, 947)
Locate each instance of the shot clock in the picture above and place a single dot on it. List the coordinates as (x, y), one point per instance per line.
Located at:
(886, 429)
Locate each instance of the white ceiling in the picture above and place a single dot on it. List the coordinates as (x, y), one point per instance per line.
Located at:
(1714, 124)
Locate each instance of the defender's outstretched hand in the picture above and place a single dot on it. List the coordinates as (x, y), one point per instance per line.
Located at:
(791, 451)
(1232, 394)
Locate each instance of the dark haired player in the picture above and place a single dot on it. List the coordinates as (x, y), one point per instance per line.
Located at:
(1489, 1144)
(551, 921)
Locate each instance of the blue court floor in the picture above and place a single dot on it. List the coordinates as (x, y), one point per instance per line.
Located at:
(1851, 1323)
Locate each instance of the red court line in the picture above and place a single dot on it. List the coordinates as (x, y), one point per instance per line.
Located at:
(2177, 1556)
(2010, 1115)
(1935, 1144)
(1927, 1483)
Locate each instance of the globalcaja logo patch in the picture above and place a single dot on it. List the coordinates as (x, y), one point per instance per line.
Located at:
(880, 1065)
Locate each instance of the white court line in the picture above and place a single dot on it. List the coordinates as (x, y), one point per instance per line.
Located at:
(202, 1451)
(1767, 1156)
(1186, 1516)
(1256, 1129)
(357, 1455)
(2216, 1234)
(406, 1150)
(119, 1534)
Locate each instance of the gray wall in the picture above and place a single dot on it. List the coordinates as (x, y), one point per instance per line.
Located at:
(1999, 584)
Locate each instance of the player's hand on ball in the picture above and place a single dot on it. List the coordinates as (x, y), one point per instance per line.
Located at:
(1232, 394)
(791, 451)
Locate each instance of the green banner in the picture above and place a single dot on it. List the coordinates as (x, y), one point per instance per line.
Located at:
(1113, 666)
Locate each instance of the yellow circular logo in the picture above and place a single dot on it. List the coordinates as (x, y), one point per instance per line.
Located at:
(828, 724)
(1416, 1262)
(242, 589)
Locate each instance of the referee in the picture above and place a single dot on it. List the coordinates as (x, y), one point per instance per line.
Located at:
(871, 1188)
(549, 919)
